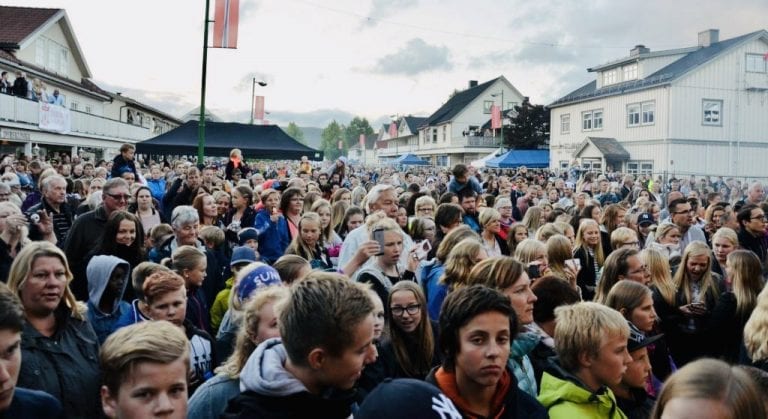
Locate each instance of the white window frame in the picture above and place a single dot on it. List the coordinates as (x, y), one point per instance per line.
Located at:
(73, 105)
(565, 123)
(487, 106)
(648, 113)
(511, 105)
(630, 72)
(755, 63)
(633, 114)
(445, 132)
(709, 116)
(597, 119)
(434, 135)
(640, 167)
(610, 77)
(564, 164)
(592, 165)
(586, 121)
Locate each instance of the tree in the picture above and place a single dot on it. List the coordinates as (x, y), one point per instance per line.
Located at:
(331, 135)
(295, 132)
(356, 127)
(529, 128)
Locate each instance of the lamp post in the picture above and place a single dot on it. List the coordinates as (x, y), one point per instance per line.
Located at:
(261, 83)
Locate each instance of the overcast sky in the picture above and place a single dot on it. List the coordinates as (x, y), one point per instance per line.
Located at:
(374, 58)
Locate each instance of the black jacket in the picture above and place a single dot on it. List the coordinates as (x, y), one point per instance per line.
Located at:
(587, 277)
(754, 243)
(334, 405)
(84, 235)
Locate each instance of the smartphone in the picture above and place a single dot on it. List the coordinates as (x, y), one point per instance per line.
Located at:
(378, 236)
(575, 263)
(533, 271)
(422, 248)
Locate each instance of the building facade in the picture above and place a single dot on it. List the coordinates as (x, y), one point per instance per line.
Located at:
(699, 110)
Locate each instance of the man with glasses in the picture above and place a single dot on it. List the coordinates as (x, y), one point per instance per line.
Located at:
(751, 233)
(682, 215)
(87, 230)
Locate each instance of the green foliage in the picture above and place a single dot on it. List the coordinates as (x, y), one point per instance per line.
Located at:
(330, 144)
(295, 132)
(530, 127)
(356, 127)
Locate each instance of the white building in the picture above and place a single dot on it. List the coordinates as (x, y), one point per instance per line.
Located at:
(698, 110)
(42, 44)
(453, 133)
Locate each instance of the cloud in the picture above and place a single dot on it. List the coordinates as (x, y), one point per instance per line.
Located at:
(170, 103)
(248, 8)
(318, 118)
(382, 9)
(414, 58)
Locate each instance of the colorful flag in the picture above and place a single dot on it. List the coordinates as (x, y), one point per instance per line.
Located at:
(392, 130)
(225, 23)
(495, 117)
(258, 107)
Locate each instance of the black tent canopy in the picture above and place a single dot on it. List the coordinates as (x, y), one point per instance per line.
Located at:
(255, 141)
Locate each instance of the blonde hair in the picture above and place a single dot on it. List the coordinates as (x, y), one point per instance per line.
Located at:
(598, 250)
(460, 262)
(628, 295)
(13, 209)
(21, 269)
(756, 329)
(212, 235)
(727, 234)
(245, 342)
(746, 278)
(298, 246)
(488, 215)
(621, 235)
(683, 282)
(184, 258)
(453, 238)
(528, 249)
(661, 274)
(709, 379)
(583, 327)
(533, 219)
(158, 342)
(548, 230)
(558, 251)
(663, 230)
(326, 233)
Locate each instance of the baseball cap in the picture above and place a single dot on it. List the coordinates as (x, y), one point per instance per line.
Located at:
(638, 340)
(408, 398)
(645, 219)
(242, 254)
(259, 276)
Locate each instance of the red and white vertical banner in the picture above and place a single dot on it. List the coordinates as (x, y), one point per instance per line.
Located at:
(258, 108)
(225, 23)
(362, 141)
(495, 117)
(392, 130)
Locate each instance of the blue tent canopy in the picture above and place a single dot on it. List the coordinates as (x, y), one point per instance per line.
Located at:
(516, 158)
(410, 160)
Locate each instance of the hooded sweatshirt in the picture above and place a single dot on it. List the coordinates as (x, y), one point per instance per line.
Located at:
(99, 271)
(271, 391)
(566, 397)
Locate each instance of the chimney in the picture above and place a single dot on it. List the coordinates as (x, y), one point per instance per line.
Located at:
(639, 50)
(472, 83)
(709, 37)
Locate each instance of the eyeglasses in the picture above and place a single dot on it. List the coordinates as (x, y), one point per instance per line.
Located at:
(636, 244)
(411, 309)
(118, 197)
(426, 209)
(759, 217)
(684, 211)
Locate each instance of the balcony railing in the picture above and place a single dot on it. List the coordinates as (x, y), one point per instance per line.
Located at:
(25, 111)
(476, 141)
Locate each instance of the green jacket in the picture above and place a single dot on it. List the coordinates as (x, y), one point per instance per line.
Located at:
(221, 304)
(564, 397)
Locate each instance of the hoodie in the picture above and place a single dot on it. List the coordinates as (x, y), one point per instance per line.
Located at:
(271, 391)
(99, 271)
(566, 397)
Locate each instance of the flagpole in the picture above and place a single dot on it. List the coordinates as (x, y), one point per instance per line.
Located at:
(201, 123)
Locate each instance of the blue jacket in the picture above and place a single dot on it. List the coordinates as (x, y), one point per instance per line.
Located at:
(157, 188)
(472, 182)
(210, 399)
(435, 292)
(99, 271)
(274, 238)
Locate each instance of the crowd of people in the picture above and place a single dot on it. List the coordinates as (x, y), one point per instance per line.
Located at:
(34, 89)
(138, 287)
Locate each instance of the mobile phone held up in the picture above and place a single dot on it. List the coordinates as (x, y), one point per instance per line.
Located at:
(378, 236)
(533, 271)
(422, 249)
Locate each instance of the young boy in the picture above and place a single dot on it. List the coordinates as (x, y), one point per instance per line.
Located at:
(591, 344)
(144, 369)
(462, 179)
(631, 396)
(17, 402)
(107, 280)
(477, 326)
(326, 326)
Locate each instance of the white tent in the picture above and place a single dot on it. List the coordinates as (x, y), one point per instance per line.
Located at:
(480, 163)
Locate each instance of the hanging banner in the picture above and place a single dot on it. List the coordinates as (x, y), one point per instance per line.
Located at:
(225, 23)
(258, 108)
(362, 141)
(54, 118)
(495, 117)
(392, 130)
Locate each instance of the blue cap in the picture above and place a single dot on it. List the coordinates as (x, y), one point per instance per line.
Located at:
(259, 276)
(242, 254)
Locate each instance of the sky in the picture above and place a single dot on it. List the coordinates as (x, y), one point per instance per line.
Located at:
(336, 59)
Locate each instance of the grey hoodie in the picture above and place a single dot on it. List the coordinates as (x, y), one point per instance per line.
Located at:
(265, 371)
(99, 271)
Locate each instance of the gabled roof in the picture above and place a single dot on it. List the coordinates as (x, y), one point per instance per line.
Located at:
(414, 122)
(609, 148)
(21, 22)
(665, 75)
(457, 103)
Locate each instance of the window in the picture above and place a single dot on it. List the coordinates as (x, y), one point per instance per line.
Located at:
(597, 119)
(565, 123)
(592, 120)
(564, 164)
(434, 135)
(610, 77)
(592, 165)
(441, 161)
(88, 109)
(511, 105)
(445, 132)
(756, 63)
(487, 106)
(712, 112)
(73, 105)
(630, 72)
(586, 121)
(640, 167)
(649, 110)
(633, 115)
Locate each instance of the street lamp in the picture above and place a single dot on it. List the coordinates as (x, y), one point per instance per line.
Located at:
(261, 83)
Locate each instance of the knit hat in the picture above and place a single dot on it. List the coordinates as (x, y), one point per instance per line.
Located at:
(408, 398)
(260, 276)
(247, 234)
(242, 254)
(637, 339)
(645, 219)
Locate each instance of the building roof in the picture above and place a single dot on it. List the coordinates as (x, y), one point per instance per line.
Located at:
(414, 122)
(643, 56)
(609, 148)
(21, 22)
(456, 104)
(689, 62)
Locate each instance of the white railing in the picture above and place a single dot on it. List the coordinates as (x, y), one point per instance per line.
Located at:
(24, 111)
(476, 141)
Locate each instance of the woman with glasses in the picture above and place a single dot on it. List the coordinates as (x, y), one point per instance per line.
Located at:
(425, 206)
